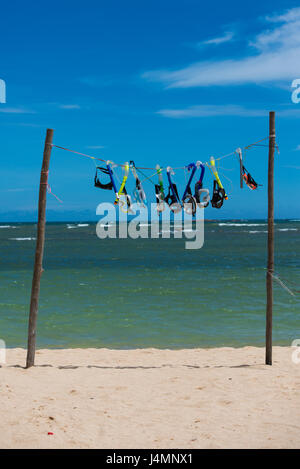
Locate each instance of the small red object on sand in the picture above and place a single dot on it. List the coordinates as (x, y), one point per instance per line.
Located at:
(50, 433)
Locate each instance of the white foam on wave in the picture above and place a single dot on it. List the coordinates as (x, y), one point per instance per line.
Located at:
(242, 224)
(186, 230)
(279, 229)
(22, 239)
(79, 225)
(7, 226)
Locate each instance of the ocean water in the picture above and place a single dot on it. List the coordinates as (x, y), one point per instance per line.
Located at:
(149, 292)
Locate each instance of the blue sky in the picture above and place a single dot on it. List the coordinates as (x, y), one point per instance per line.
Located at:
(166, 82)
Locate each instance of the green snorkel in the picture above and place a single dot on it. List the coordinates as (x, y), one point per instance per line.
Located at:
(159, 190)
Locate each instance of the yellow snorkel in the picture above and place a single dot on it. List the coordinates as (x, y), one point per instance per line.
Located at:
(122, 187)
(122, 191)
(215, 172)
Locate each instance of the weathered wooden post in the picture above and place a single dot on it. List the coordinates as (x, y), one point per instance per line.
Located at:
(39, 251)
(270, 266)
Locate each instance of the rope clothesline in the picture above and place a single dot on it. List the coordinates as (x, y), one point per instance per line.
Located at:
(49, 187)
(282, 284)
(154, 169)
(291, 290)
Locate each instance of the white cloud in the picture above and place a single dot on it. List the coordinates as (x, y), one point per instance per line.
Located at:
(228, 36)
(16, 110)
(95, 147)
(283, 37)
(276, 59)
(15, 190)
(297, 148)
(290, 15)
(69, 106)
(290, 166)
(289, 113)
(211, 111)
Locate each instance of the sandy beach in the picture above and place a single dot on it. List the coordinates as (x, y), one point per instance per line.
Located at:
(150, 398)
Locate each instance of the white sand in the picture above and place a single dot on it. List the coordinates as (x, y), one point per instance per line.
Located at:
(149, 398)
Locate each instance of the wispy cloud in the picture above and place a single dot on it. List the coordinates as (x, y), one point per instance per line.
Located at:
(290, 166)
(69, 106)
(297, 148)
(228, 36)
(21, 189)
(23, 124)
(212, 111)
(289, 113)
(95, 147)
(16, 110)
(97, 81)
(275, 59)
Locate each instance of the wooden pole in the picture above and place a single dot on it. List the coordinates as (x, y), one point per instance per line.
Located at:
(39, 251)
(270, 266)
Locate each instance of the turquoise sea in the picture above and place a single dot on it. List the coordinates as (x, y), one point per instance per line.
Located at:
(124, 293)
